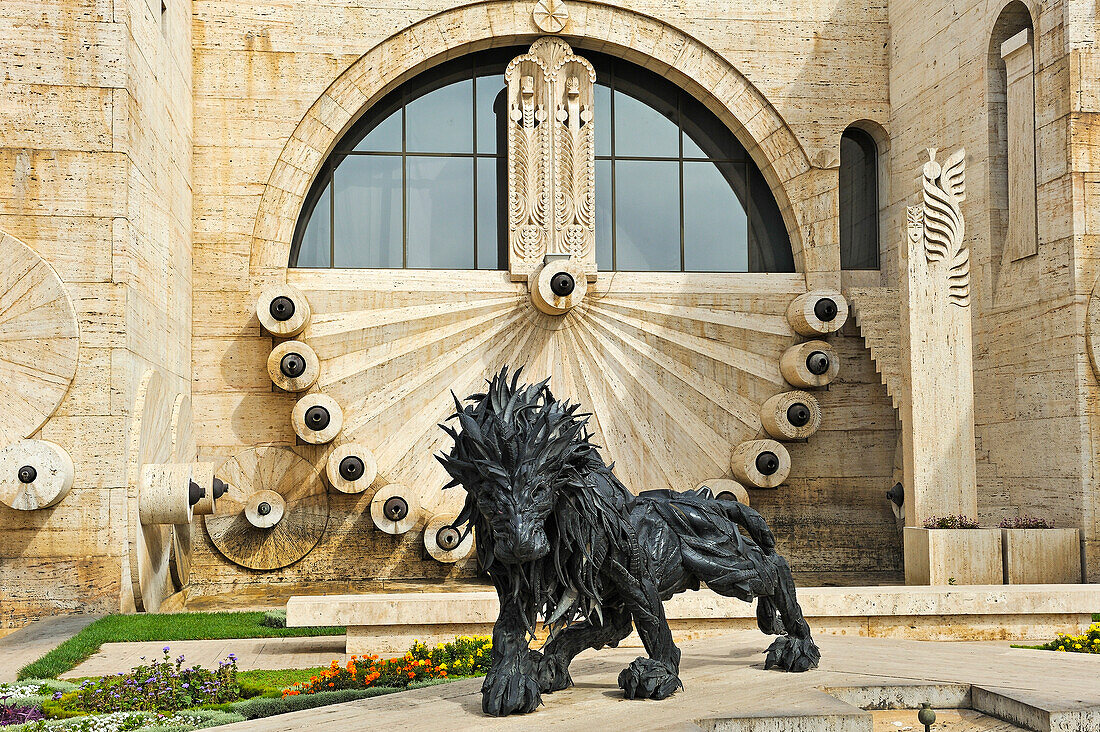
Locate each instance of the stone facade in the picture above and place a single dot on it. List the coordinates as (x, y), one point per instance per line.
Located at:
(157, 155)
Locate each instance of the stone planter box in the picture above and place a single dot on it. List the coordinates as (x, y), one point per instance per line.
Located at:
(1041, 556)
(953, 556)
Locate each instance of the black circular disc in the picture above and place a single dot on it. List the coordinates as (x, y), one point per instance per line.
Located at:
(292, 365)
(825, 309)
(818, 363)
(448, 538)
(195, 492)
(395, 508)
(562, 284)
(264, 508)
(352, 468)
(767, 463)
(317, 418)
(27, 474)
(281, 308)
(727, 496)
(798, 414)
(219, 488)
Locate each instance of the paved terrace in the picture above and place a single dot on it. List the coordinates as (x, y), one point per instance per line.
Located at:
(726, 688)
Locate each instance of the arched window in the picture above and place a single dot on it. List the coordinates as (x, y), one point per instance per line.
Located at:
(1010, 73)
(858, 200)
(420, 180)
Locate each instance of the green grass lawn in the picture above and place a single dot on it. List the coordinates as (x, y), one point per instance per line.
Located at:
(168, 627)
(269, 681)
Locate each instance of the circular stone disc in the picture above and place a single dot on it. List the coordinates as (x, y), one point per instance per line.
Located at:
(150, 442)
(275, 469)
(184, 450)
(39, 340)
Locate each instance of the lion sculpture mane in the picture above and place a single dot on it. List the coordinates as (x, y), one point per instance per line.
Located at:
(564, 541)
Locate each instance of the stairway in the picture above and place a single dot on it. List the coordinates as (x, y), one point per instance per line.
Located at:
(877, 312)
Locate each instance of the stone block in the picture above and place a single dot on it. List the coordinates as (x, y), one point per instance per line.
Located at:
(1041, 556)
(952, 556)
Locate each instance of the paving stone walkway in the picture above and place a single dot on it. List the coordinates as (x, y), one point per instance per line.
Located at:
(252, 653)
(37, 638)
(727, 688)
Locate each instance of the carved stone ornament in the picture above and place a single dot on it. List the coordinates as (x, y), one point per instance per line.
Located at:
(944, 190)
(551, 157)
(550, 15)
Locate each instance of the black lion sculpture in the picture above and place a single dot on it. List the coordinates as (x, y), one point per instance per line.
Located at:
(564, 540)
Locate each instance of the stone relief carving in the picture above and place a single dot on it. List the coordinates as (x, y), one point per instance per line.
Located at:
(551, 157)
(944, 190)
(550, 16)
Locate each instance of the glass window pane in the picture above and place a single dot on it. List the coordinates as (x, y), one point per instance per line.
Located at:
(367, 211)
(705, 136)
(386, 137)
(440, 207)
(603, 215)
(315, 249)
(491, 252)
(647, 215)
(602, 97)
(442, 120)
(858, 201)
(716, 226)
(490, 91)
(641, 130)
(769, 244)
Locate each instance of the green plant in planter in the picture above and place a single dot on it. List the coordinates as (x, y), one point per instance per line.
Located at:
(950, 522)
(1025, 522)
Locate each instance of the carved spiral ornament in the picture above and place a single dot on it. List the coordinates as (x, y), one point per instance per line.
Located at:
(275, 513)
(39, 340)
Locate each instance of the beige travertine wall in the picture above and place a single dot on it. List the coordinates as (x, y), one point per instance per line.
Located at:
(95, 167)
(260, 70)
(136, 153)
(1034, 390)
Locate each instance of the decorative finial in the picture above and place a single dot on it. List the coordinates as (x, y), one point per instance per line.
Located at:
(550, 15)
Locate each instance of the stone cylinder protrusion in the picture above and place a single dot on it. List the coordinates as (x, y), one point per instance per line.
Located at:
(395, 509)
(809, 365)
(283, 311)
(293, 366)
(351, 468)
(165, 494)
(317, 418)
(760, 463)
(264, 509)
(34, 474)
(791, 415)
(558, 286)
(445, 542)
(211, 487)
(725, 489)
(818, 313)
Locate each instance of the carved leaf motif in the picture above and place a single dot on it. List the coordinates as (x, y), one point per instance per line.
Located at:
(944, 189)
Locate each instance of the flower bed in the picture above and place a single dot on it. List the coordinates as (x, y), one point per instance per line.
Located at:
(465, 656)
(1088, 642)
(161, 686)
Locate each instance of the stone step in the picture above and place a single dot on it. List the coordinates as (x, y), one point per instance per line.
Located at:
(877, 312)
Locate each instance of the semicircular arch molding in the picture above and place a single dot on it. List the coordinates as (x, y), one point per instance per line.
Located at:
(797, 187)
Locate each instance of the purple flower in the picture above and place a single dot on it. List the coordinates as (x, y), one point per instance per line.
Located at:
(57, 695)
(167, 648)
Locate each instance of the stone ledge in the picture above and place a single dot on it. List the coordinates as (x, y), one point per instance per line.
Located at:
(432, 608)
(389, 623)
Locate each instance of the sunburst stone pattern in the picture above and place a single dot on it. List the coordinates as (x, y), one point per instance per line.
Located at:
(672, 366)
(39, 340)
